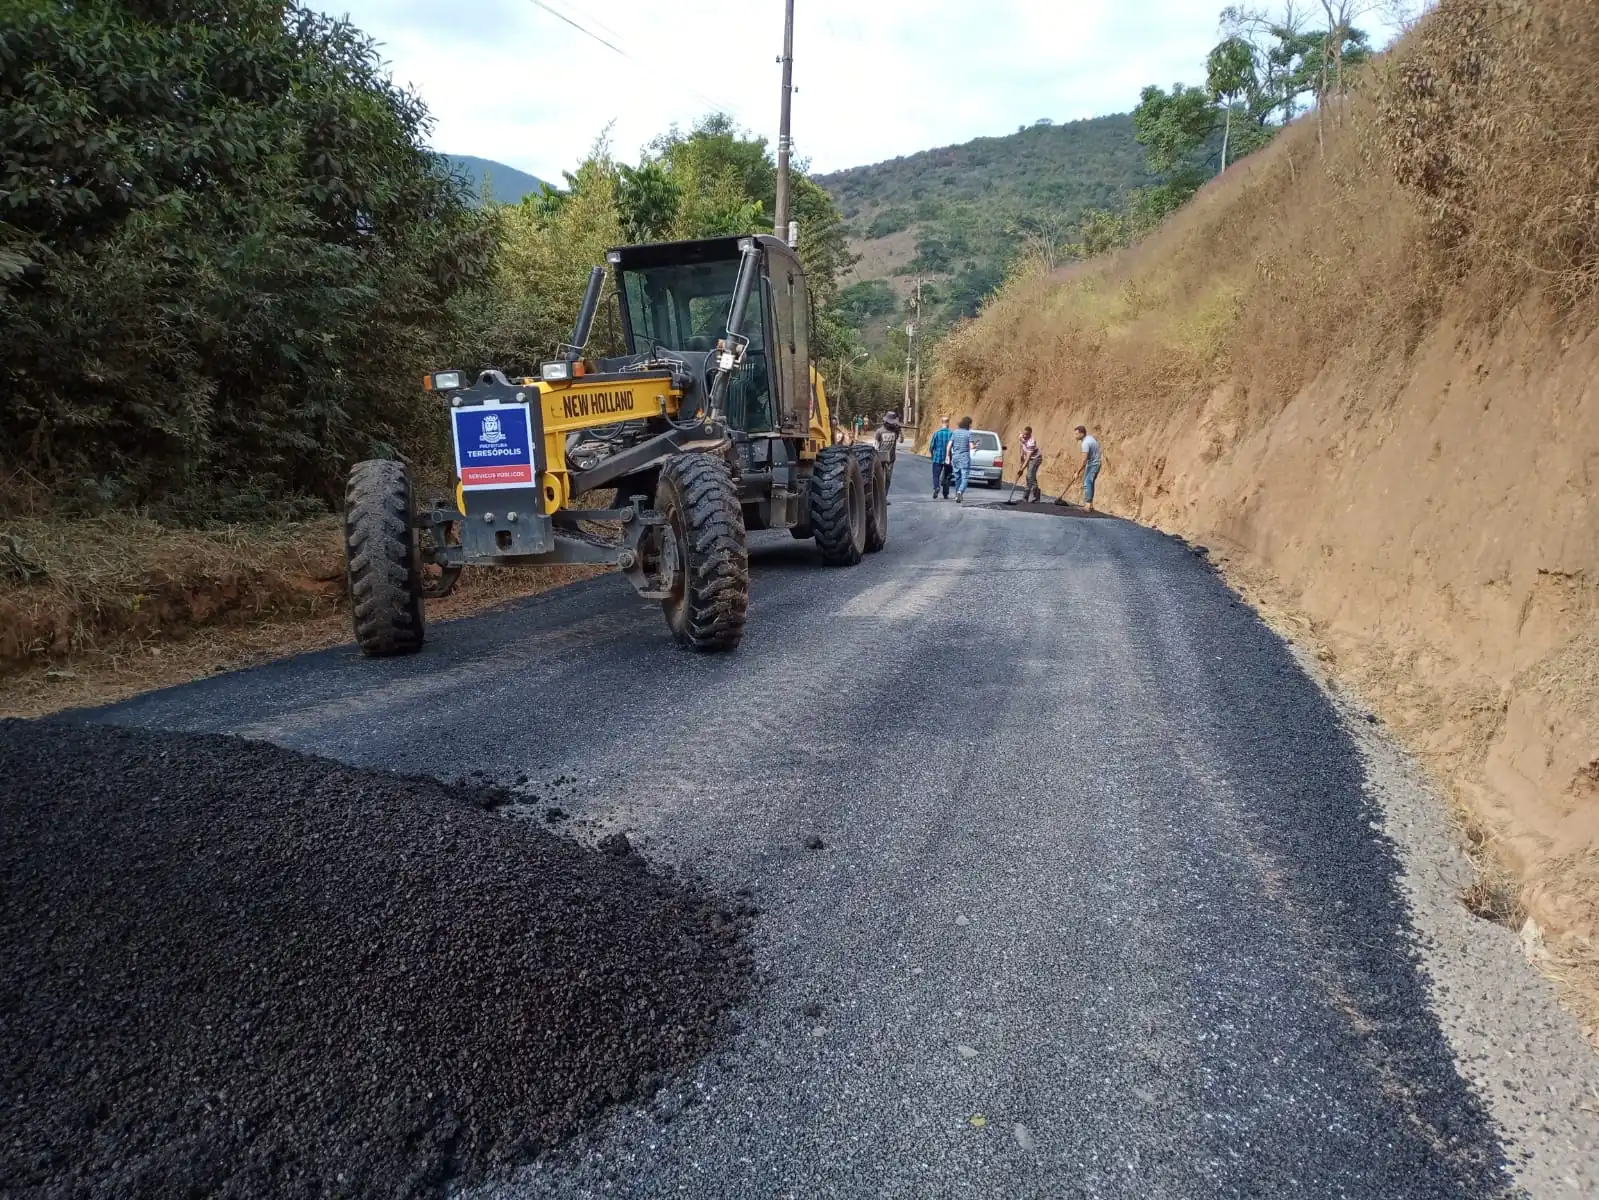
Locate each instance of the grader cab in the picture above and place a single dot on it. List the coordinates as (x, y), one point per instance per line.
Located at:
(659, 461)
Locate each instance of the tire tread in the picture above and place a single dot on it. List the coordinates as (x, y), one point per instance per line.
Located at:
(382, 566)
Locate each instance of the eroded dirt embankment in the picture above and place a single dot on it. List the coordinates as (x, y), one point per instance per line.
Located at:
(95, 609)
(1364, 366)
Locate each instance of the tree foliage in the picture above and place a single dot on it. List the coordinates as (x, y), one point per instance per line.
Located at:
(231, 253)
(1172, 125)
(226, 257)
(709, 181)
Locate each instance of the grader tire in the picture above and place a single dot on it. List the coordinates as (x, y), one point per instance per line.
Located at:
(711, 588)
(838, 507)
(383, 560)
(874, 474)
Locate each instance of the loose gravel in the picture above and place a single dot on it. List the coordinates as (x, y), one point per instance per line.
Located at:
(235, 970)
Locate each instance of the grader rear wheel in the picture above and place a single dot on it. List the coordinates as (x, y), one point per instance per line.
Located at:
(838, 507)
(874, 474)
(707, 554)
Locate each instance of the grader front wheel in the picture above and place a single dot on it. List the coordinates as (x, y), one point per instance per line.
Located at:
(707, 556)
(383, 561)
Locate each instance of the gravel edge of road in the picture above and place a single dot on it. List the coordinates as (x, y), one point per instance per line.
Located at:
(1520, 1050)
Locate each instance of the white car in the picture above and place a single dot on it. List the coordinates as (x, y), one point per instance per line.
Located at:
(988, 458)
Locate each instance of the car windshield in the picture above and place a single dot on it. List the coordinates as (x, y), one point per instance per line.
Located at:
(985, 441)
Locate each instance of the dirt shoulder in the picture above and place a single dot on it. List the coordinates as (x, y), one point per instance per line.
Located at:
(95, 610)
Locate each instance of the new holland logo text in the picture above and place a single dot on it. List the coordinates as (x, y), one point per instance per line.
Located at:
(588, 404)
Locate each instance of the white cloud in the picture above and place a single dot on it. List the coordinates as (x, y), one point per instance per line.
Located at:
(506, 79)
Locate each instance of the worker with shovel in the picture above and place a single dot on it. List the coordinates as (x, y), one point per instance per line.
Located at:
(1032, 459)
(1088, 469)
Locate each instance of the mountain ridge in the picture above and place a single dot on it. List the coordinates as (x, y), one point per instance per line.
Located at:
(507, 184)
(955, 215)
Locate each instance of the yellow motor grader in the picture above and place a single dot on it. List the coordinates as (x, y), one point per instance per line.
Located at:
(713, 423)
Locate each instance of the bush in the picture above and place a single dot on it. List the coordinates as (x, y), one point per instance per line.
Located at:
(860, 302)
(889, 222)
(224, 250)
(1489, 115)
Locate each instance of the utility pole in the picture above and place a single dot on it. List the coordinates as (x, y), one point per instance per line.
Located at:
(910, 341)
(783, 139)
(916, 397)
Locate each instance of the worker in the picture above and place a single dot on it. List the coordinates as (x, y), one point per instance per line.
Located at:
(888, 440)
(960, 457)
(1088, 469)
(938, 447)
(1032, 458)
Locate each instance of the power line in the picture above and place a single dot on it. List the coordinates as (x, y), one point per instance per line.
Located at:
(610, 45)
(608, 30)
(560, 16)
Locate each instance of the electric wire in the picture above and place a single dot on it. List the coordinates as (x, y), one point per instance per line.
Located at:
(610, 45)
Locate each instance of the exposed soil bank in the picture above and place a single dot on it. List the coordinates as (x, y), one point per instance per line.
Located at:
(96, 609)
(235, 970)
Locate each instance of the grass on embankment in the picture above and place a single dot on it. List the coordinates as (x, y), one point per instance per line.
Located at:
(94, 609)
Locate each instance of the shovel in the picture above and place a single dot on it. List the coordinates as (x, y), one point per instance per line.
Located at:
(1013, 493)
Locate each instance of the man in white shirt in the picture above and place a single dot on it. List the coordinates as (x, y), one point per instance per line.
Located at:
(1032, 457)
(1089, 467)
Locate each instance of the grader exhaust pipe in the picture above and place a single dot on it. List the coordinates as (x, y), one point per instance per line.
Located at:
(585, 315)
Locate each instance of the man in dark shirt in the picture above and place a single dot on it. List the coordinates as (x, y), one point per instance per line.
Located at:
(938, 447)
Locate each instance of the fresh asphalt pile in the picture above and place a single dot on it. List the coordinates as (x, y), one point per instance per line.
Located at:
(235, 970)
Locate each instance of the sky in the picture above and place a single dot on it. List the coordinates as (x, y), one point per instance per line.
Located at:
(511, 81)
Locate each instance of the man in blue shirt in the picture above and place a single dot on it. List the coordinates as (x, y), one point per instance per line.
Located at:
(938, 447)
(960, 457)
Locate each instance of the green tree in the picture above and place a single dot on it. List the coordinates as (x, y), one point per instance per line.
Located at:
(1172, 125)
(1230, 76)
(527, 307)
(236, 252)
(1173, 128)
(866, 300)
(649, 198)
(727, 180)
(889, 221)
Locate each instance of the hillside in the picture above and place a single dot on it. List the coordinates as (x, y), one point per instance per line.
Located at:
(508, 185)
(956, 214)
(1359, 368)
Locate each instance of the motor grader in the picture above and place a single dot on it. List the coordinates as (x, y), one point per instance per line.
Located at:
(713, 423)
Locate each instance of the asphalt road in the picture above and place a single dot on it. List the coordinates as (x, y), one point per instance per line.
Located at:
(1102, 908)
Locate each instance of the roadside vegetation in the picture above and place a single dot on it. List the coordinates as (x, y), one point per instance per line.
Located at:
(1358, 367)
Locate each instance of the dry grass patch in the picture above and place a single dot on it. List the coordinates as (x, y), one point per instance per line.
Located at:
(95, 610)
